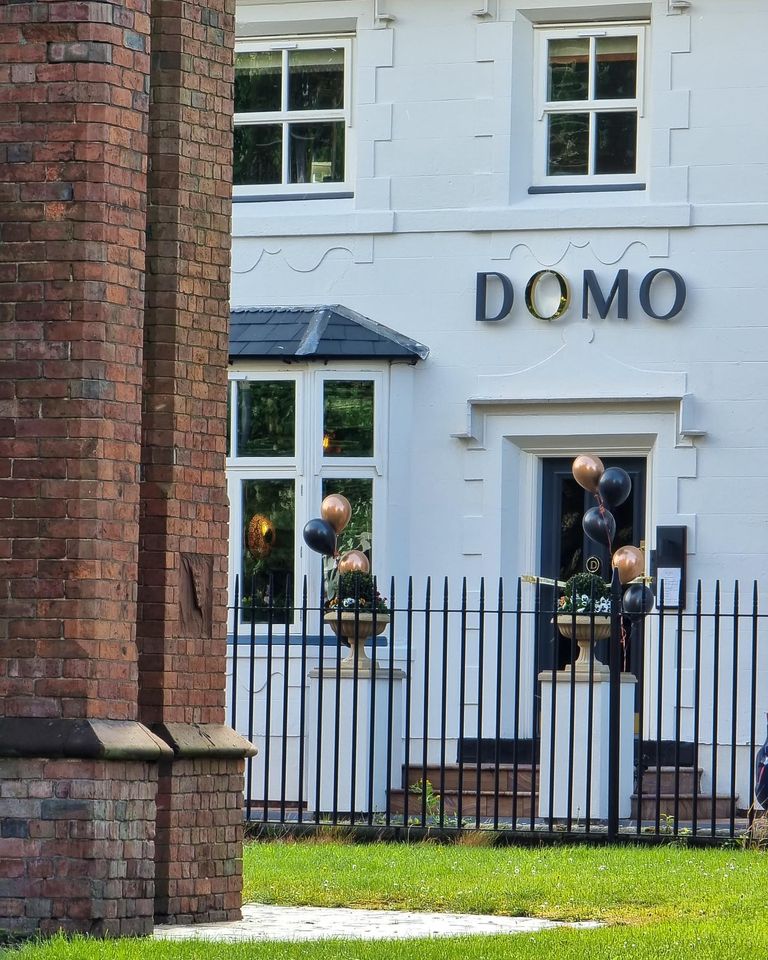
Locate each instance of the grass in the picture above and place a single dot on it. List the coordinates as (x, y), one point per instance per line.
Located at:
(630, 885)
(660, 903)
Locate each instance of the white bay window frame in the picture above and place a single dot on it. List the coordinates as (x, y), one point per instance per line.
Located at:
(308, 468)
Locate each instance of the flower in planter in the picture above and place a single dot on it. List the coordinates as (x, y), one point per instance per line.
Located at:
(357, 592)
(586, 593)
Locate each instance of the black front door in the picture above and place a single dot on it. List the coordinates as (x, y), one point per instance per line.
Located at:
(566, 549)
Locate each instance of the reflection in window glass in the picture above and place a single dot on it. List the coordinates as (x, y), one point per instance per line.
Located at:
(258, 81)
(266, 418)
(317, 152)
(258, 153)
(357, 535)
(348, 418)
(267, 572)
(616, 142)
(568, 69)
(316, 79)
(616, 68)
(568, 144)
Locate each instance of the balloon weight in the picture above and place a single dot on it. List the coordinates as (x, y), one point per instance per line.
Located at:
(630, 562)
(336, 510)
(354, 561)
(320, 536)
(638, 600)
(587, 470)
(598, 526)
(614, 487)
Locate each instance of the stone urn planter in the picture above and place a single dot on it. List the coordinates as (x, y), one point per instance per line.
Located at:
(354, 629)
(584, 628)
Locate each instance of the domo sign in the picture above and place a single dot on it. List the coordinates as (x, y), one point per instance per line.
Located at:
(661, 295)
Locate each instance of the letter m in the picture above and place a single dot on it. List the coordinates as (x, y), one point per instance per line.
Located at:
(620, 290)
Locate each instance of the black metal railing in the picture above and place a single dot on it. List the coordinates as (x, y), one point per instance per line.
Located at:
(474, 712)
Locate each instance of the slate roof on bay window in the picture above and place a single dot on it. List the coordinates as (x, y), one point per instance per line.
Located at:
(320, 332)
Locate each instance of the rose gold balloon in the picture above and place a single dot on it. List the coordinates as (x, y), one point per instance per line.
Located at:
(354, 561)
(587, 470)
(630, 562)
(336, 510)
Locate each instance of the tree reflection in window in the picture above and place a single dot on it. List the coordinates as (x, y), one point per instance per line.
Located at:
(348, 418)
(268, 567)
(266, 418)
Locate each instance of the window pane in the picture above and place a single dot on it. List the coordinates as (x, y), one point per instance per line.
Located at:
(616, 68)
(258, 154)
(317, 152)
(266, 418)
(268, 550)
(568, 73)
(568, 144)
(616, 143)
(257, 81)
(348, 418)
(316, 80)
(358, 532)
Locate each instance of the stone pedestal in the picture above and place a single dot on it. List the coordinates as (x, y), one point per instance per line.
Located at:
(556, 766)
(364, 719)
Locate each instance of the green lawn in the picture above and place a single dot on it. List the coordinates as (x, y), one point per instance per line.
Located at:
(661, 903)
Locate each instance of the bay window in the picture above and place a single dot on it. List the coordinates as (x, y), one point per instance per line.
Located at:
(294, 438)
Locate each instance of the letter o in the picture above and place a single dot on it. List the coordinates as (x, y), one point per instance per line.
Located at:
(530, 295)
(645, 294)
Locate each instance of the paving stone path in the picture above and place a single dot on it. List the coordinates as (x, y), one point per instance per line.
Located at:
(262, 922)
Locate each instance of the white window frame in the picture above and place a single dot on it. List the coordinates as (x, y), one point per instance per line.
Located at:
(544, 108)
(285, 117)
(307, 468)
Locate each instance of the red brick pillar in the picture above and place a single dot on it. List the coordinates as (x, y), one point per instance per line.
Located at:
(77, 771)
(184, 511)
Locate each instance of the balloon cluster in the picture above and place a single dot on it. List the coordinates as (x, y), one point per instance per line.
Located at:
(321, 534)
(611, 487)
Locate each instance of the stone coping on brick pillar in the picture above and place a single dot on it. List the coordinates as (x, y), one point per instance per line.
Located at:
(80, 738)
(204, 740)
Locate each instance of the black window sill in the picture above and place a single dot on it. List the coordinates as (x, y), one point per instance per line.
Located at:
(280, 197)
(588, 188)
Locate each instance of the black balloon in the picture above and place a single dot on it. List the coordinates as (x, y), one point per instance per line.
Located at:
(614, 487)
(638, 600)
(320, 536)
(599, 526)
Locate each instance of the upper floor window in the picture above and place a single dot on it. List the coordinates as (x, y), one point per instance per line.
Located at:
(291, 116)
(590, 121)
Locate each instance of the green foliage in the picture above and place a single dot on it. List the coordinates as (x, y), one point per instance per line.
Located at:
(431, 799)
(585, 592)
(357, 591)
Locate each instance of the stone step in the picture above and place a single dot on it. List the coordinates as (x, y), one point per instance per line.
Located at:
(473, 804)
(723, 806)
(469, 776)
(665, 777)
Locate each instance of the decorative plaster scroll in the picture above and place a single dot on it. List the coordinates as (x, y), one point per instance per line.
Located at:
(610, 249)
(308, 258)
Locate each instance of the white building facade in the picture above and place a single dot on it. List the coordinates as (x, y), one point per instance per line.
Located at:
(567, 204)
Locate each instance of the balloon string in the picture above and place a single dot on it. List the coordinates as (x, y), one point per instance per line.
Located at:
(624, 640)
